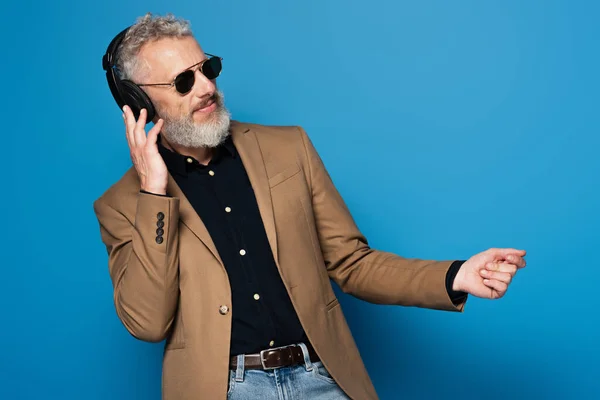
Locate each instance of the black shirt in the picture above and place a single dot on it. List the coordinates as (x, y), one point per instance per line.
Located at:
(221, 194)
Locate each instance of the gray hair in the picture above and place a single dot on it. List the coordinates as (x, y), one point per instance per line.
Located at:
(146, 29)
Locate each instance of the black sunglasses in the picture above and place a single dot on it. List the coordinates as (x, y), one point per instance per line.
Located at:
(184, 82)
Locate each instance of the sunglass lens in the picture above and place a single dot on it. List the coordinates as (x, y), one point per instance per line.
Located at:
(212, 67)
(184, 81)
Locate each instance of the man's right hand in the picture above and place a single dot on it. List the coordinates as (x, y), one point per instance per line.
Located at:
(148, 162)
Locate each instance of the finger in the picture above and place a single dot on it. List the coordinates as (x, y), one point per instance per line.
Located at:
(516, 260)
(498, 286)
(126, 131)
(129, 125)
(504, 253)
(502, 267)
(499, 276)
(153, 133)
(140, 131)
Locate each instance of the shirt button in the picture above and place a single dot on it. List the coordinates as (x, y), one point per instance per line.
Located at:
(223, 309)
(256, 296)
(190, 160)
(211, 172)
(227, 209)
(242, 252)
(272, 343)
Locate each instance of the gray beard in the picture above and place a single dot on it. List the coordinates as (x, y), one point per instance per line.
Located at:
(183, 131)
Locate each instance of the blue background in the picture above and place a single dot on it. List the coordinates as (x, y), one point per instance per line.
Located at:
(448, 127)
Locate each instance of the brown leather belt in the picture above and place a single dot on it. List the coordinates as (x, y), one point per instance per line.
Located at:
(275, 358)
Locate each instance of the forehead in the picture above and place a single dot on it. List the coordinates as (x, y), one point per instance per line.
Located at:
(165, 58)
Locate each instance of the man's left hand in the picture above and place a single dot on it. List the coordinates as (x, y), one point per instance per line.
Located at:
(488, 274)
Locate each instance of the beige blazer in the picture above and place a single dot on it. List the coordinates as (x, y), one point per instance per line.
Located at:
(178, 289)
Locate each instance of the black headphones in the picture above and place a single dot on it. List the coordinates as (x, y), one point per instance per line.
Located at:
(125, 92)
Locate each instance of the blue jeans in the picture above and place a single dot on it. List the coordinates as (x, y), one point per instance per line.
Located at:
(306, 381)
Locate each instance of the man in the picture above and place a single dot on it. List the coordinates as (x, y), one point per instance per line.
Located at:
(223, 237)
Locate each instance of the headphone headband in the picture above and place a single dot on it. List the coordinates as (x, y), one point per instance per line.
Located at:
(108, 60)
(125, 92)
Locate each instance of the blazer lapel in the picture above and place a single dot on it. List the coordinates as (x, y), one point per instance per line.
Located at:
(247, 145)
(190, 218)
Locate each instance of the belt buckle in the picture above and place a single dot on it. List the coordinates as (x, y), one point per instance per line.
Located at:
(262, 359)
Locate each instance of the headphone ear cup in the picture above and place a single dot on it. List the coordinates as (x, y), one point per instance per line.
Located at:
(113, 84)
(137, 99)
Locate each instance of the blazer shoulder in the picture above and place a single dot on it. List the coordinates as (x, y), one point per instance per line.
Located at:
(281, 137)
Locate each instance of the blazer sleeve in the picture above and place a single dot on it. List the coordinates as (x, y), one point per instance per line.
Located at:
(372, 275)
(143, 263)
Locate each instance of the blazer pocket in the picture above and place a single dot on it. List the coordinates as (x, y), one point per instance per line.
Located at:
(284, 175)
(332, 304)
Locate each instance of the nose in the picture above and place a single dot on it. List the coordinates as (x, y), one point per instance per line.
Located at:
(203, 87)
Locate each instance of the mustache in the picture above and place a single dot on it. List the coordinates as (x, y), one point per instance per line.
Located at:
(162, 112)
(215, 98)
